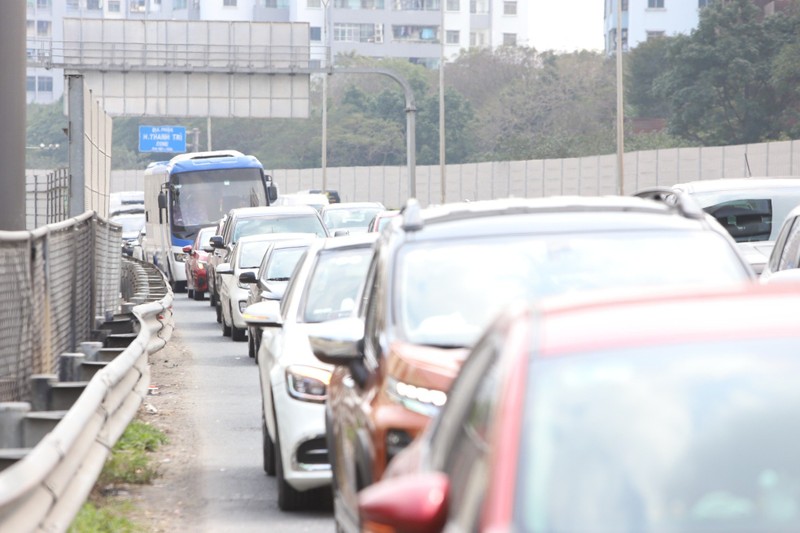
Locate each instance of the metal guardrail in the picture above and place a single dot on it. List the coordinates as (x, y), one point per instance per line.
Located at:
(44, 490)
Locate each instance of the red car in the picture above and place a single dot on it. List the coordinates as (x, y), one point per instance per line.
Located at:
(672, 413)
(196, 263)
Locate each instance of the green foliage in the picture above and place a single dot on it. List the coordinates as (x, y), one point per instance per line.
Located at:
(729, 82)
(129, 461)
(45, 139)
(643, 65)
(107, 519)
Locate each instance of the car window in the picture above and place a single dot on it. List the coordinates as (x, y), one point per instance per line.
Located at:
(745, 219)
(371, 311)
(334, 284)
(281, 263)
(287, 224)
(293, 284)
(251, 254)
(791, 249)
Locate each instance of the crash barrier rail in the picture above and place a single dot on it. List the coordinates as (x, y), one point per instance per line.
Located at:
(44, 489)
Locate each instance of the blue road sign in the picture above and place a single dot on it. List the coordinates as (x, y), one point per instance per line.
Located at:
(162, 139)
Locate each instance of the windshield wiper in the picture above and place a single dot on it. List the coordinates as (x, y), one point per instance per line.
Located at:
(278, 279)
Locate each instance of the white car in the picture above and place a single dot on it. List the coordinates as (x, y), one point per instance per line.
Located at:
(751, 209)
(326, 285)
(246, 256)
(350, 217)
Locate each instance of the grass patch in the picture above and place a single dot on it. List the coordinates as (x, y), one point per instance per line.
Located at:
(130, 463)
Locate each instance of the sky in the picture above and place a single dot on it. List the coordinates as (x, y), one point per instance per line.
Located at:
(566, 25)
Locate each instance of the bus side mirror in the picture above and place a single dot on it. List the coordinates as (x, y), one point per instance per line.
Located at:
(162, 200)
(272, 192)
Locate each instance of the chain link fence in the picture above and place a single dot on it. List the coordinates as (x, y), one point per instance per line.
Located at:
(58, 283)
(47, 197)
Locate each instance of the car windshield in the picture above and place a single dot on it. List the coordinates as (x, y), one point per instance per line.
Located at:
(279, 224)
(282, 262)
(130, 223)
(350, 218)
(252, 253)
(334, 284)
(204, 237)
(447, 292)
(683, 438)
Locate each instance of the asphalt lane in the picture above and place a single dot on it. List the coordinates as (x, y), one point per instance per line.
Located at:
(226, 406)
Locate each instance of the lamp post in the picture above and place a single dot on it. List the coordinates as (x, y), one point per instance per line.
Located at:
(442, 162)
(327, 43)
(620, 110)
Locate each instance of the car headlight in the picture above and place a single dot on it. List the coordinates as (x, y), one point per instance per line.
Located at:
(424, 401)
(307, 383)
(180, 257)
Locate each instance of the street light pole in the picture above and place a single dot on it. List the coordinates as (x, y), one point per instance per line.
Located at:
(326, 40)
(620, 109)
(442, 162)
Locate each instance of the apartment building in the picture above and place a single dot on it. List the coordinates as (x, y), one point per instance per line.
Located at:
(418, 30)
(646, 19)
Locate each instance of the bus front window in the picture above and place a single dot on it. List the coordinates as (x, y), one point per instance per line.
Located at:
(201, 198)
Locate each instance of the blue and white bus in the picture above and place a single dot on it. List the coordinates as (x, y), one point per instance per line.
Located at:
(193, 191)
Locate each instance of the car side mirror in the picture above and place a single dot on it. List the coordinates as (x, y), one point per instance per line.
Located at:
(216, 242)
(338, 342)
(248, 277)
(187, 249)
(162, 200)
(263, 314)
(416, 502)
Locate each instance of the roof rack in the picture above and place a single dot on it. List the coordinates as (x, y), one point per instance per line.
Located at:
(412, 215)
(681, 201)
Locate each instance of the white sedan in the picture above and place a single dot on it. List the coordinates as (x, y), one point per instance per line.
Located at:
(245, 256)
(326, 285)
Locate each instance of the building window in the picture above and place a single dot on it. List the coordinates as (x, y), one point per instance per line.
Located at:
(137, 6)
(73, 5)
(652, 4)
(359, 4)
(314, 3)
(178, 4)
(229, 3)
(315, 33)
(408, 33)
(45, 84)
(43, 28)
(651, 35)
(94, 4)
(509, 8)
(30, 84)
(113, 6)
(417, 5)
(452, 36)
(43, 4)
(454, 5)
(477, 39)
(509, 39)
(358, 33)
(30, 28)
(479, 7)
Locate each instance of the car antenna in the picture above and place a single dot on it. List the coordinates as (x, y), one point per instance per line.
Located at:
(747, 165)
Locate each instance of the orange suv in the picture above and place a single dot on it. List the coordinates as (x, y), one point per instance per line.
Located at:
(438, 277)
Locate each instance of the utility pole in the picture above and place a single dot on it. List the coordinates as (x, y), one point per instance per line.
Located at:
(620, 109)
(442, 152)
(326, 39)
(12, 109)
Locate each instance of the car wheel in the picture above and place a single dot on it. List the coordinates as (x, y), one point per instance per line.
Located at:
(251, 350)
(218, 310)
(190, 293)
(226, 329)
(238, 334)
(268, 447)
(198, 295)
(289, 498)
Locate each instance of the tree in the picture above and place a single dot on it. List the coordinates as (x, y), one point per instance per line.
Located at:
(644, 65)
(720, 85)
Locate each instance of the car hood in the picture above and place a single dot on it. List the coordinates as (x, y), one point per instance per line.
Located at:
(756, 253)
(424, 366)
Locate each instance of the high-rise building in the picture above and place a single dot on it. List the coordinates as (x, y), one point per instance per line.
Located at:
(411, 29)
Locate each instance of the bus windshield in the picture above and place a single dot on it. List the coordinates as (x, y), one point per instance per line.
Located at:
(200, 198)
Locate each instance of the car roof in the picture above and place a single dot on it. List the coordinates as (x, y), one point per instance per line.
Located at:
(622, 319)
(732, 184)
(352, 205)
(346, 241)
(275, 237)
(243, 212)
(552, 214)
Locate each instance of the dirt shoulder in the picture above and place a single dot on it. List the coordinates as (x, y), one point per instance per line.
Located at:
(172, 502)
